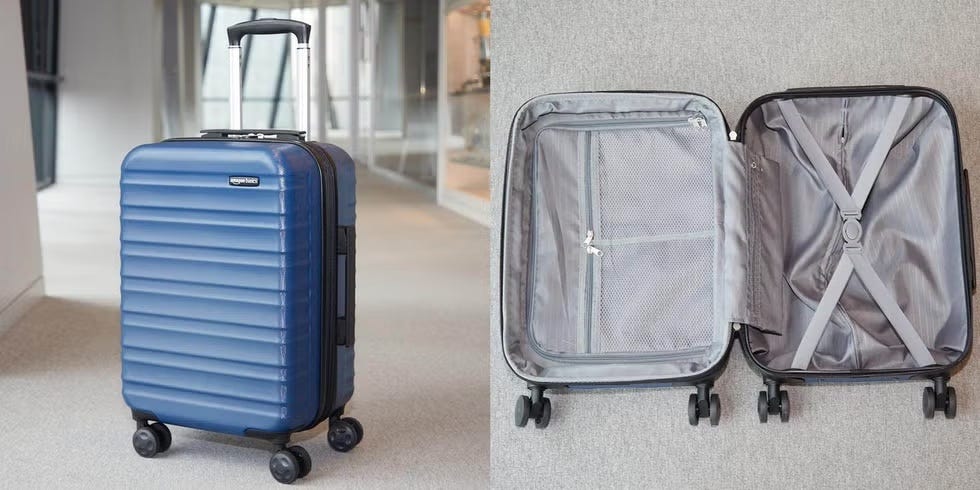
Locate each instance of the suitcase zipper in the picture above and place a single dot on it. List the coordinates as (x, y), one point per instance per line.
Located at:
(625, 357)
(695, 119)
(590, 257)
(589, 248)
(593, 253)
(328, 373)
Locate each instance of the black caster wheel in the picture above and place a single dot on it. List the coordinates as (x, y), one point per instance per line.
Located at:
(522, 412)
(342, 435)
(714, 409)
(285, 466)
(544, 414)
(146, 442)
(357, 427)
(783, 406)
(305, 461)
(950, 409)
(163, 432)
(929, 402)
(692, 409)
(763, 407)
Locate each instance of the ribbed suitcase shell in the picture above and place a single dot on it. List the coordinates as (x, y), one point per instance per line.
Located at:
(221, 314)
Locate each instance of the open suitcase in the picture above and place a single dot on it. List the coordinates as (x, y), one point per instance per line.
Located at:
(830, 234)
(238, 281)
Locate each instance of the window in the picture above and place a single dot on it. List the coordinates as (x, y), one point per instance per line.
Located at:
(40, 24)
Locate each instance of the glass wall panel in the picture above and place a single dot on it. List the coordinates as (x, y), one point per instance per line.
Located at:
(405, 136)
(466, 136)
(214, 67)
(333, 111)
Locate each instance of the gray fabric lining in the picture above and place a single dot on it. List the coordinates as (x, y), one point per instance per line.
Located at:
(756, 293)
(774, 234)
(911, 235)
(650, 189)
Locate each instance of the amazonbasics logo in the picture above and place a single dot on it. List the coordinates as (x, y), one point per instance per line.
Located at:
(243, 181)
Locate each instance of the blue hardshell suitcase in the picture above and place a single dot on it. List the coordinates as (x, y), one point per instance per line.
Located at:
(237, 284)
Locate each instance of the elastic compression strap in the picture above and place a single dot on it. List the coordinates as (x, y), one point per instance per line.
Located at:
(853, 259)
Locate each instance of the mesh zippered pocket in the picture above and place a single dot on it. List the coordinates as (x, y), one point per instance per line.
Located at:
(646, 218)
(652, 181)
(653, 245)
(654, 296)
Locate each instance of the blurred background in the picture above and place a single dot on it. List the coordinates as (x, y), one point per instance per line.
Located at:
(402, 85)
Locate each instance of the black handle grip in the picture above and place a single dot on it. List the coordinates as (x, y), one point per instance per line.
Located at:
(346, 246)
(269, 26)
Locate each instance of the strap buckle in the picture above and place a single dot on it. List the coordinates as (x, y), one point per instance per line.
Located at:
(852, 231)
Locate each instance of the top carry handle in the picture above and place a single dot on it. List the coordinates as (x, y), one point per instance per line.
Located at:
(269, 26)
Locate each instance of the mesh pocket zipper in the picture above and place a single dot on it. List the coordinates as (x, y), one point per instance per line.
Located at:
(695, 119)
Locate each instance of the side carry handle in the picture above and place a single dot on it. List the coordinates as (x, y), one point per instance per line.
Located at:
(270, 26)
(346, 238)
(968, 204)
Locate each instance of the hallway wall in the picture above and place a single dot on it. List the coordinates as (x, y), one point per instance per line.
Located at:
(20, 250)
(110, 60)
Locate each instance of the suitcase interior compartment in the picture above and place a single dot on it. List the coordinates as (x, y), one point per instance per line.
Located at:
(613, 238)
(910, 223)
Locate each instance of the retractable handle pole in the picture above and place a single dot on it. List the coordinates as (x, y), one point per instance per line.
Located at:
(269, 26)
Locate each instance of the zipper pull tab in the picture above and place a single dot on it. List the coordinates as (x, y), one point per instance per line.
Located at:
(589, 249)
(698, 121)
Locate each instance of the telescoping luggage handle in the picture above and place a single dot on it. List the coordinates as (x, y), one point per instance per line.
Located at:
(270, 26)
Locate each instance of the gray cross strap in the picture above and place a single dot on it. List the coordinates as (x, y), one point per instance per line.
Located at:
(853, 259)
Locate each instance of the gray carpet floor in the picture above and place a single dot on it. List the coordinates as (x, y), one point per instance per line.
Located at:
(422, 383)
(840, 436)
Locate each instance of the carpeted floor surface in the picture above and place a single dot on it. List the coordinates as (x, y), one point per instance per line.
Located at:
(422, 381)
